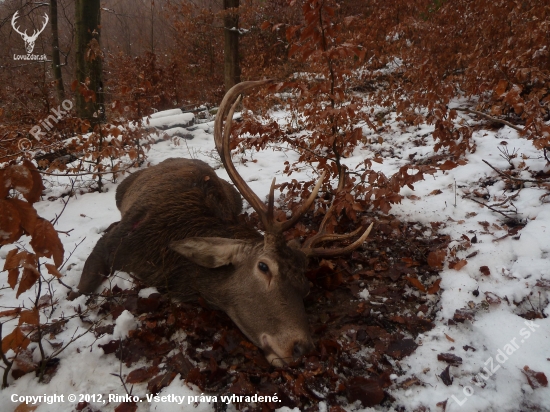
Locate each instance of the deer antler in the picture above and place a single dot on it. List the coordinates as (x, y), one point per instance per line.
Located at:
(221, 137)
(322, 236)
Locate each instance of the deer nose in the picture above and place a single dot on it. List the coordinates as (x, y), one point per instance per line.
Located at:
(301, 348)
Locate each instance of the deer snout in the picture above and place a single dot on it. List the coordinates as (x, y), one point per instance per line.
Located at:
(300, 348)
(281, 353)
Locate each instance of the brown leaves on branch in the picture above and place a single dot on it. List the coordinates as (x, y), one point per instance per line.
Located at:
(18, 218)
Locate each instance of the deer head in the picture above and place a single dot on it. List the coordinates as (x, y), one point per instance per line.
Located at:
(29, 40)
(265, 296)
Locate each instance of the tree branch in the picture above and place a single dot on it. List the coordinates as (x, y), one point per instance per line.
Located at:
(491, 118)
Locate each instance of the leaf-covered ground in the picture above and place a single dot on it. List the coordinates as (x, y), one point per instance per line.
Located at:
(359, 342)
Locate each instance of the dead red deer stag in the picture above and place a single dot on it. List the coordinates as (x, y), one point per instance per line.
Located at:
(180, 232)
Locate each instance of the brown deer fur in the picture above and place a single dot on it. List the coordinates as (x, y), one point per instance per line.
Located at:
(180, 232)
(181, 199)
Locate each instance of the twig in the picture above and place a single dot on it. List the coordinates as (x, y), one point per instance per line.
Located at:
(455, 192)
(489, 207)
(44, 361)
(74, 338)
(491, 118)
(6, 362)
(85, 174)
(119, 374)
(70, 254)
(511, 177)
(73, 181)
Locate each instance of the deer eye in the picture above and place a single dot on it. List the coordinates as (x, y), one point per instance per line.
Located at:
(263, 267)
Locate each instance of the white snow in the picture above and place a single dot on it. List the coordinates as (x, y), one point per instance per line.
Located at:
(364, 294)
(166, 121)
(124, 324)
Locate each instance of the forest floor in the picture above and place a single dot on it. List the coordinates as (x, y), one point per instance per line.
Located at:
(396, 327)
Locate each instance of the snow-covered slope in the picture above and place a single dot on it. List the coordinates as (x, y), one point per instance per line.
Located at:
(495, 344)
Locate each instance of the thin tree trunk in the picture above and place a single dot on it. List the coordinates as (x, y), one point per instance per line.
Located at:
(56, 60)
(89, 60)
(232, 69)
(152, 27)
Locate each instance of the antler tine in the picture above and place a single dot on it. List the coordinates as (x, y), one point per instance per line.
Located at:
(270, 204)
(323, 237)
(321, 232)
(221, 138)
(305, 206)
(324, 252)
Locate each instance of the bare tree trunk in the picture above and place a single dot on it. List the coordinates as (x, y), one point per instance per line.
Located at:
(89, 60)
(56, 60)
(232, 69)
(152, 27)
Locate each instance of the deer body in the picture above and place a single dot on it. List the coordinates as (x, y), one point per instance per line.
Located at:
(184, 199)
(180, 232)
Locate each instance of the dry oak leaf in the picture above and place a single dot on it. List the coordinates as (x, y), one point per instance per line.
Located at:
(436, 259)
(142, 374)
(450, 358)
(485, 270)
(10, 222)
(432, 290)
(535, 379)
(23, 407)
(45, 241)
(27, 214)
(37, 185)
(501, 87)
(448, 165)
(10, 312)
(15, 340)
(446, 376)
(52, 270)
(458, 265)
(13, 261)
(30, 274)
(24, 178)
(367, 391)
(416, 283)
(19, 178)
(32, 317)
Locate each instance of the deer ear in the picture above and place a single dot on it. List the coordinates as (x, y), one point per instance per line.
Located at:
(211, 252)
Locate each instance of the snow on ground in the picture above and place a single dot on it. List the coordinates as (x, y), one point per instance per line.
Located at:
(505, 343)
